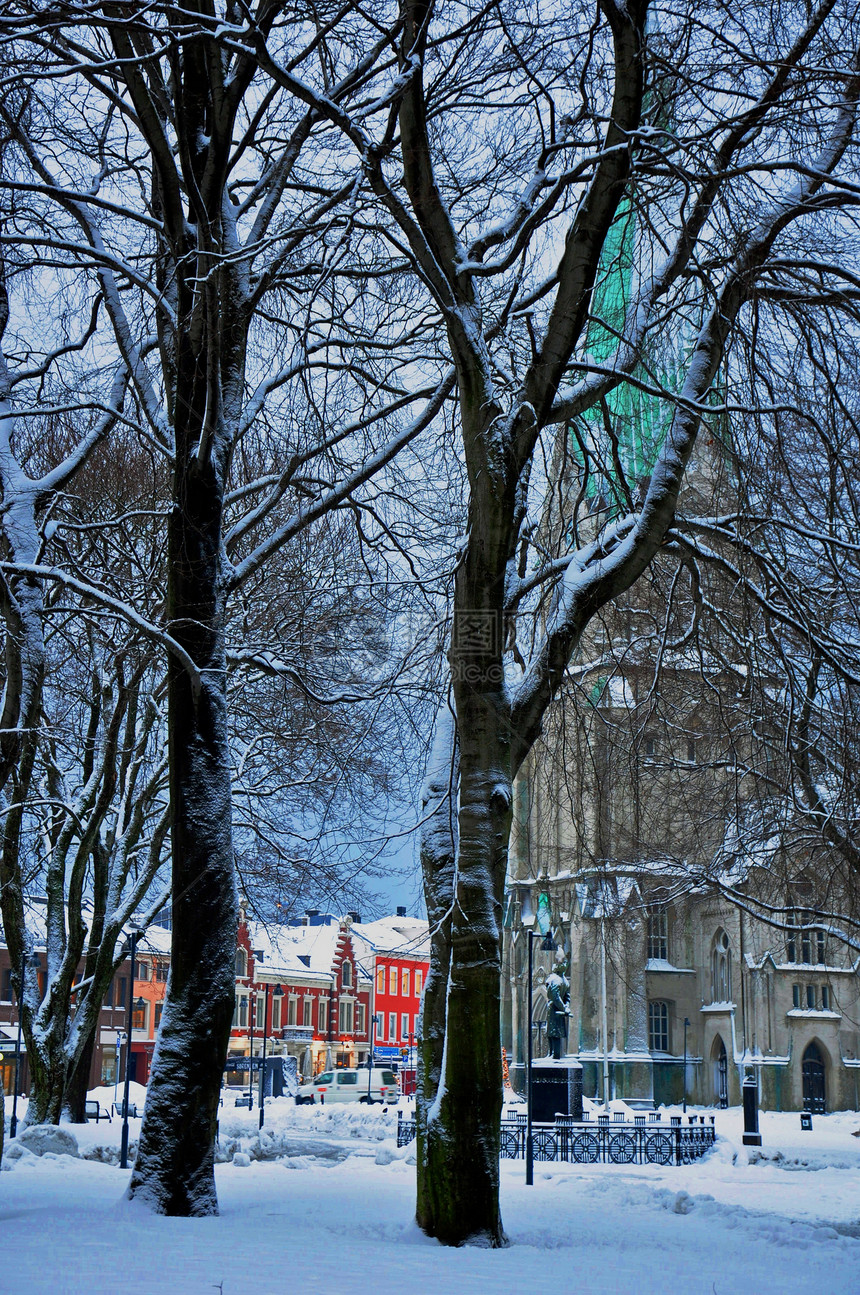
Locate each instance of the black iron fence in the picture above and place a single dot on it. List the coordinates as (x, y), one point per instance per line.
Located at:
(648, 1140)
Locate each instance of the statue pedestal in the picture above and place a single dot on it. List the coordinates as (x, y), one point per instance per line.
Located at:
(556, 1089)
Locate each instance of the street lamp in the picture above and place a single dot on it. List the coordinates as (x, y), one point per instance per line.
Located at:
(34, 962)
(547, 945)
(277, 992)
(686, 1025)
(370, 1055)
(129, 951)
(252, 1009)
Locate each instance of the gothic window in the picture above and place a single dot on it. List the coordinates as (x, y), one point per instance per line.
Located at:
(721, 969)
(658, 934)
(658, 1027)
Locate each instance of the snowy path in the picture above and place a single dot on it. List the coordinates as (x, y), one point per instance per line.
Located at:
(303, 1223)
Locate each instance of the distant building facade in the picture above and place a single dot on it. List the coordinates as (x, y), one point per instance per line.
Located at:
(626, 833)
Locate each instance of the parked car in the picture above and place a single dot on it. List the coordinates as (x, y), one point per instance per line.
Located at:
(350, 1086)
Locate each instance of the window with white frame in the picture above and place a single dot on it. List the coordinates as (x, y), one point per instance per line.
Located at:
(276, 1013)
(345, 1018)
(323, 1015)
(260, 1012)
(346, 973)
(392, 980)
(307, 1011)
(292, 1010)
(392, 1027)
(658, 1027)
(360, 1018)
(240, 1016)
(419, 983)
(658, 934)
(404, 1027)
(380, 980)
(241, 962)
(404, 982)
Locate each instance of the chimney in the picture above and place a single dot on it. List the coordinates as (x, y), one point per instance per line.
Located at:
(401, 911)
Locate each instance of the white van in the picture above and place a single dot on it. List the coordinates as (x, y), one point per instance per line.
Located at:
(362, 1085)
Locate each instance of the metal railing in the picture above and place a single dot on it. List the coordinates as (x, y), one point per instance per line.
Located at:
(654, 1141)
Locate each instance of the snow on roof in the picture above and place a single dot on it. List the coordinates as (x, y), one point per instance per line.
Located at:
(407, 936)
(295, 950)
(154, 940)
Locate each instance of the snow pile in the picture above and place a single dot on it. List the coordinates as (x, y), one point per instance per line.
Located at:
(743, 1218)
(48, 1139)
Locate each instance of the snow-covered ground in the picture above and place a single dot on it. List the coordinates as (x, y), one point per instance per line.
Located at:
(324, 1202)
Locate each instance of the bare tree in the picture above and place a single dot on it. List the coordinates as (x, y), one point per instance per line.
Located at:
(202, 206)
(508, 139)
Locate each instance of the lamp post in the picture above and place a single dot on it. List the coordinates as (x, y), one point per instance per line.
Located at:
(370, 1055)
(139, 1005)
(131, 951)
(252, 1009)
(546, 945)
(277, 992)
(686, 1025)
(33, 962)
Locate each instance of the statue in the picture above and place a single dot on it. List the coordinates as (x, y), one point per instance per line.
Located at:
(557, 1012)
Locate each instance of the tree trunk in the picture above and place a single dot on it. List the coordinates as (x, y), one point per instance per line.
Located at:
(47, 1066)
(458, 1170)
(438, 862)
(77, 1084)
(174, 1170)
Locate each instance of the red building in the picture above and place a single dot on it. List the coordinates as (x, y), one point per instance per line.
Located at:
(396, 952)
(321, 1016)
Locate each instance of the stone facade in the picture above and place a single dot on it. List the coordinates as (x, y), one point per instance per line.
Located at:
(628, 820)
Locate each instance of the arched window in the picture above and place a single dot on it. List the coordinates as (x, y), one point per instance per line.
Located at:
(721, 968)
(241, 962)
(346, 973)
(658, 1027)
